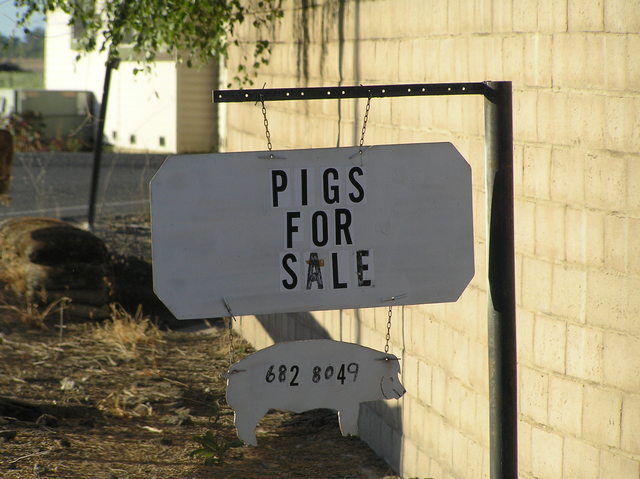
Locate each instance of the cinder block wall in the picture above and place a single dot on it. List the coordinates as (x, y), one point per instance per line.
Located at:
(575, 68)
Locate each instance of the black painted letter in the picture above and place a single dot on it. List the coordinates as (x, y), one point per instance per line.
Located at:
(278, 185)
(314, 275)
(336, 281)
(343, 222)
(291, 228)
(319, 232)
(331, 193)
(304, 200)
(362, 267)
(286, 259)
(356, 198)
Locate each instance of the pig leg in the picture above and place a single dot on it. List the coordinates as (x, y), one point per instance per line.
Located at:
(246, 422)
(348, 419)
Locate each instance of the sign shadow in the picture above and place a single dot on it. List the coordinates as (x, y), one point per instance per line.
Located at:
(379, 422)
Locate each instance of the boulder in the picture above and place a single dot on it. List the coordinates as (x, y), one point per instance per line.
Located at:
(44, 259)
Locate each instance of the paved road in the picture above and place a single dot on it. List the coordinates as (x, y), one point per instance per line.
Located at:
(57, 184)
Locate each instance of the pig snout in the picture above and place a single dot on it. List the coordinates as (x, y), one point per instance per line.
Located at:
(391, 388)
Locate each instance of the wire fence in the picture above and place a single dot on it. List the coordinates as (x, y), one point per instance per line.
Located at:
(56, 184)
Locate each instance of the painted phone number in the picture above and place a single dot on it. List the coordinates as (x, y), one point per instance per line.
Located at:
(291, 374)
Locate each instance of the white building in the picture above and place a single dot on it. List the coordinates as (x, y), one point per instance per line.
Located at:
(168, 110)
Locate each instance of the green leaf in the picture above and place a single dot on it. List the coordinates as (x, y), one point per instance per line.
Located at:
(202, 453)
(195, 30)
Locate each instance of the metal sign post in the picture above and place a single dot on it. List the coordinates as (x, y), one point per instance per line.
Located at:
(500, 243)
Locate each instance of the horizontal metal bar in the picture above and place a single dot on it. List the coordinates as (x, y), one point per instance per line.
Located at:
(326, 93)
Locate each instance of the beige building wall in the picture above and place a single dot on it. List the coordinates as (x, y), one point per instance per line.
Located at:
(575, 68)
(196, 123)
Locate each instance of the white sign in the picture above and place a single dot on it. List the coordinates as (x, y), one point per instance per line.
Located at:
(311, 230)
(303, 375)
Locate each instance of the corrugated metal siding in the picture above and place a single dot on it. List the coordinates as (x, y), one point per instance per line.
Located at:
(197, 119)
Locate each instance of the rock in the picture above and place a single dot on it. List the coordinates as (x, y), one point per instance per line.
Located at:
(45, 259)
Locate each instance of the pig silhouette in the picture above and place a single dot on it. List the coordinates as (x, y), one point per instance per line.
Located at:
(302, 375)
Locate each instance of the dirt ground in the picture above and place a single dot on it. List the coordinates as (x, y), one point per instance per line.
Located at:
(100, 405)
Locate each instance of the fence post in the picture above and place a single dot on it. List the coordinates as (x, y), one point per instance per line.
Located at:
(110, 65)
(6, 159)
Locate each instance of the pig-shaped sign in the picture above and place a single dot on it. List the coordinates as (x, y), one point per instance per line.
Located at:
(302, 375)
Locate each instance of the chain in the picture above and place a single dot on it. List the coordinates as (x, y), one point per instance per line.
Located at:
(364, 130)
(266, 124)
(228, 322)
(366, 119)
(388, 336)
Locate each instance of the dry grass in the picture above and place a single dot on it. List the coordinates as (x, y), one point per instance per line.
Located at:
(11, 276)
(128, 334)
(32, 315)
(125, 403)
(13, 285)
(137, 418)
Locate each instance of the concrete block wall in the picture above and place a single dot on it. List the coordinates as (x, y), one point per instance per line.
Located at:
(576, 82)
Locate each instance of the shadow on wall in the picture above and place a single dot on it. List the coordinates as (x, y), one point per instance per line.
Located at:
(380, 422)
(292, 326)
(331, 12)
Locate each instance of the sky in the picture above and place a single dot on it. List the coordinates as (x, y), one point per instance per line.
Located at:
(8, 13)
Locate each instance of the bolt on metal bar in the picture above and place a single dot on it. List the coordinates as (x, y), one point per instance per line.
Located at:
(328, 93)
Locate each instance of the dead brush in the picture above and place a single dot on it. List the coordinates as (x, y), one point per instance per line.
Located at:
(128, 334)
(31, 313)
(12, 277)
(125, 403)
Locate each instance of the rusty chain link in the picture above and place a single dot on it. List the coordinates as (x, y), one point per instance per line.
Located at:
(388, 336)
(228, 323)
(267, 133)
(366, 119)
